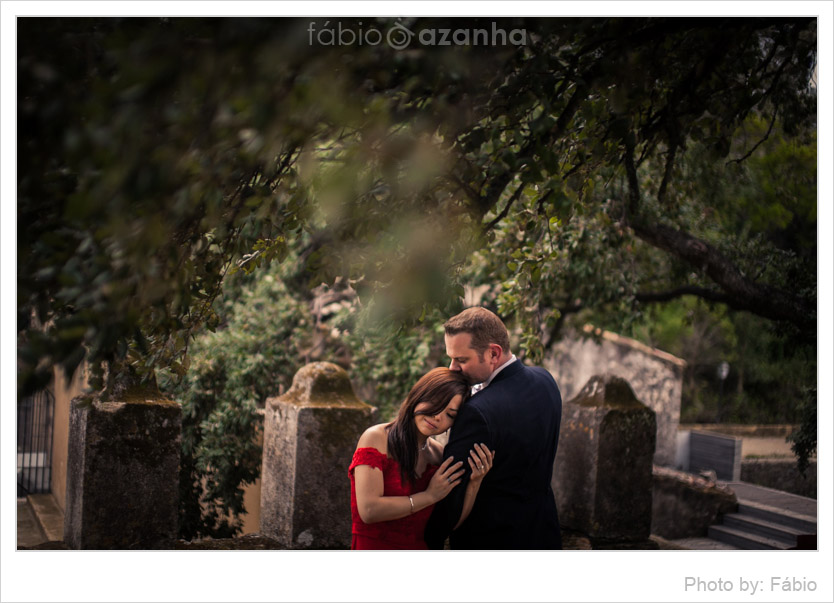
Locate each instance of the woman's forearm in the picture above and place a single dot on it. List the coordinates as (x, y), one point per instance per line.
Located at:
(386, 508)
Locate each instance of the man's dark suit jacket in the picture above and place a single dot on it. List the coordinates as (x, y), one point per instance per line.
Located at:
(517, 416)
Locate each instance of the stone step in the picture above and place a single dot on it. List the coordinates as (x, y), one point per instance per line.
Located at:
(761, 527)
(805, 524)
(744, 540)
(49, 515)
(768, 519)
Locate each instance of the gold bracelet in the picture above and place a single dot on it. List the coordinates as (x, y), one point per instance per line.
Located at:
(412, 503)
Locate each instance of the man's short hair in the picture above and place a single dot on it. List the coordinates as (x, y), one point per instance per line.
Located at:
(483, 326)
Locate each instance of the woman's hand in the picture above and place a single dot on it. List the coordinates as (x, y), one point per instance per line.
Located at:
(480, 460)
(444, 479)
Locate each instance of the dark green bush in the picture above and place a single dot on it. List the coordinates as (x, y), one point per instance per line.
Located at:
(232, 372)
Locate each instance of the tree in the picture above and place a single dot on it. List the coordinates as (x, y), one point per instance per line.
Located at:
(635, 95)
(142, 180)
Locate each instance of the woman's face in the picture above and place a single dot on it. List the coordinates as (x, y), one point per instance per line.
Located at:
(430, 425)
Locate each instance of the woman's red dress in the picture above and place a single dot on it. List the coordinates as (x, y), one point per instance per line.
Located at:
(405, 533)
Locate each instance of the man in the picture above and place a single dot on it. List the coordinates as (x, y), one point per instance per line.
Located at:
(516, 412)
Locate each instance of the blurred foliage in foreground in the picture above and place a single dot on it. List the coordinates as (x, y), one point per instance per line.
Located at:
(601, 169)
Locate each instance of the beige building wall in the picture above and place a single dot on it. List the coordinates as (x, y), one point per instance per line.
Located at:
(655, 376)
(252, 500)
(252, 492)
(63, 392)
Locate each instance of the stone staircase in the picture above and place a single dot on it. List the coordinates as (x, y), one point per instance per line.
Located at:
(768, 519)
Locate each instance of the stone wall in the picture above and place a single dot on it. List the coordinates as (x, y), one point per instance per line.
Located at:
(743, 430)
(685, 505)
(781, 474)
(655, 376)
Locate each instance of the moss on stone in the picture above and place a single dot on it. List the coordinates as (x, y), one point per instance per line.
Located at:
(321, 384)
(609, 391)
(124, 456)
(340, 429)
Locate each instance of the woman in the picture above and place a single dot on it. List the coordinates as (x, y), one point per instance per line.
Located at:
(397, 475)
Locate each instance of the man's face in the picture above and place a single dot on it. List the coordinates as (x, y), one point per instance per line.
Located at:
(466, 360)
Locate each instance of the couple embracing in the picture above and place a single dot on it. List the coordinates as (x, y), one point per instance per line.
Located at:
(410, 492)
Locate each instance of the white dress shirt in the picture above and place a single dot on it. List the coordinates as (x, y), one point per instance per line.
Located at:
(479, 386)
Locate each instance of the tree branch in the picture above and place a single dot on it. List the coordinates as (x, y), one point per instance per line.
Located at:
(493, 193)
(556, 330)
(506, 209)
(741, 292)
(667, 173)
(756, 146)
(664, 296)
(633, 183)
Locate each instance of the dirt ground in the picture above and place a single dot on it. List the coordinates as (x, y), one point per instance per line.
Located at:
(765, 447)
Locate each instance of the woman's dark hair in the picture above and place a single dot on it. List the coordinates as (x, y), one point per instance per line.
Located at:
(437, 387)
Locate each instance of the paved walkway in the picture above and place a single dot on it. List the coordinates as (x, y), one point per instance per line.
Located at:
(39, 520)
(698, 544)
(29, 532)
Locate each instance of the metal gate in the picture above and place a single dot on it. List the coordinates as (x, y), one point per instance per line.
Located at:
(34, 443)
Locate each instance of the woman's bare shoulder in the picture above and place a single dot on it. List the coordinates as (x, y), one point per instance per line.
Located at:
(375, 436)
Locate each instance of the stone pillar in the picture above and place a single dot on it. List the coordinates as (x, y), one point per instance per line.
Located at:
(656, 377)
(602, 476)
(310, 434)
(122, 474)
